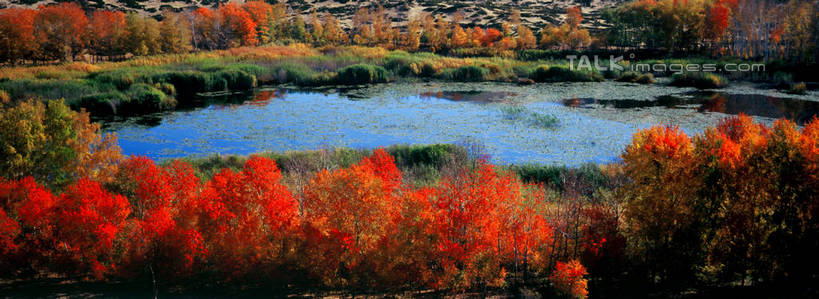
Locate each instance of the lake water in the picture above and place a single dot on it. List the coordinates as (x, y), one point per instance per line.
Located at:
(594, 121)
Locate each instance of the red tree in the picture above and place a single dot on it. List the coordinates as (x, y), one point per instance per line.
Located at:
(88, 221)
(60, 30)
(248, 217)
(490, 37)
(349, 212)
(163, 234)
(240, 25)
(26, 224)
(106, 31)
(17, 39)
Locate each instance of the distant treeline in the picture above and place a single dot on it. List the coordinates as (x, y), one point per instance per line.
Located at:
(749, 29)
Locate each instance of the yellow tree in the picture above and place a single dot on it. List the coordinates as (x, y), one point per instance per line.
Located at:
(317, 29)
(526, 39)
(506, 29)
(174, 34)
(459, 38)
(382, 25)
(333, 33)
(412, 39)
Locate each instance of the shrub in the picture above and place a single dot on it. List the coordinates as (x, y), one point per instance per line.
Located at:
(546, 73)
(568, 279)
(146, 98)
(166, 88)
(635, 77)
(188, 83)
(782, 80)
(646, 78)
(102, 103)
(701, 80)
(4, 97)
(469, 73)
(362, 74)
(798, 88)
(432, 155)
(233, 80)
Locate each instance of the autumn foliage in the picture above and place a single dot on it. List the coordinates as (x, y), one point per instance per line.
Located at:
(687, 207)
(740, 189)
(568, 278)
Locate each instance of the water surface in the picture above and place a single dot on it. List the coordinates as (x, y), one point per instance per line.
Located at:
(595, 120)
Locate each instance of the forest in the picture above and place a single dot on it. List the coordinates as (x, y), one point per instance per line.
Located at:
(749, 29)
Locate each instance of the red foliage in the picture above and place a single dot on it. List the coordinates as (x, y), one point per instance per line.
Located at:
(601, 238)
(471, 223)
(61, 26)
(490, 37)
(164, 202)
(9, 229)
(477, 35)
(247, 215)
(382, 165)
(104, 24)
(87, 224)
(718, 20)
(568, 279)
(240, 23)
(17, 38)
(574, 16)
(352, 208)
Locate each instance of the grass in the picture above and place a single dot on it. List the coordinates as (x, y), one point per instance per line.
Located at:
(362, 74)
(701, 80)
(546, 73)
(422, 165)
(531, 118)
(185, 76)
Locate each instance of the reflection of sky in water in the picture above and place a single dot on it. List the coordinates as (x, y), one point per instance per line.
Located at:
(302, 121)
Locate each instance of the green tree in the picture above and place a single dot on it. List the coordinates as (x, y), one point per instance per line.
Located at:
(53, 144)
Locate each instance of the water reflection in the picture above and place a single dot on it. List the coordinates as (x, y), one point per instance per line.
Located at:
(799, 111)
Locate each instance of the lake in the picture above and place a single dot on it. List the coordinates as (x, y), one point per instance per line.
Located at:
(565, 123)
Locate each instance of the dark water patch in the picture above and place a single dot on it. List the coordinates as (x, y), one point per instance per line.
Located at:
(477, 96)
(800, 111)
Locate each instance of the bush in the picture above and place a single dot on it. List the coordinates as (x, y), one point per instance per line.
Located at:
(798, 88)
(428, 155)
(188, 83)
(362, 74)
(547, 73)
(144, 98)
(699, 80)
(782, 80)
(4, 97)
(102, 103)
(469, 73)
(634, 77)
(233, 80)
